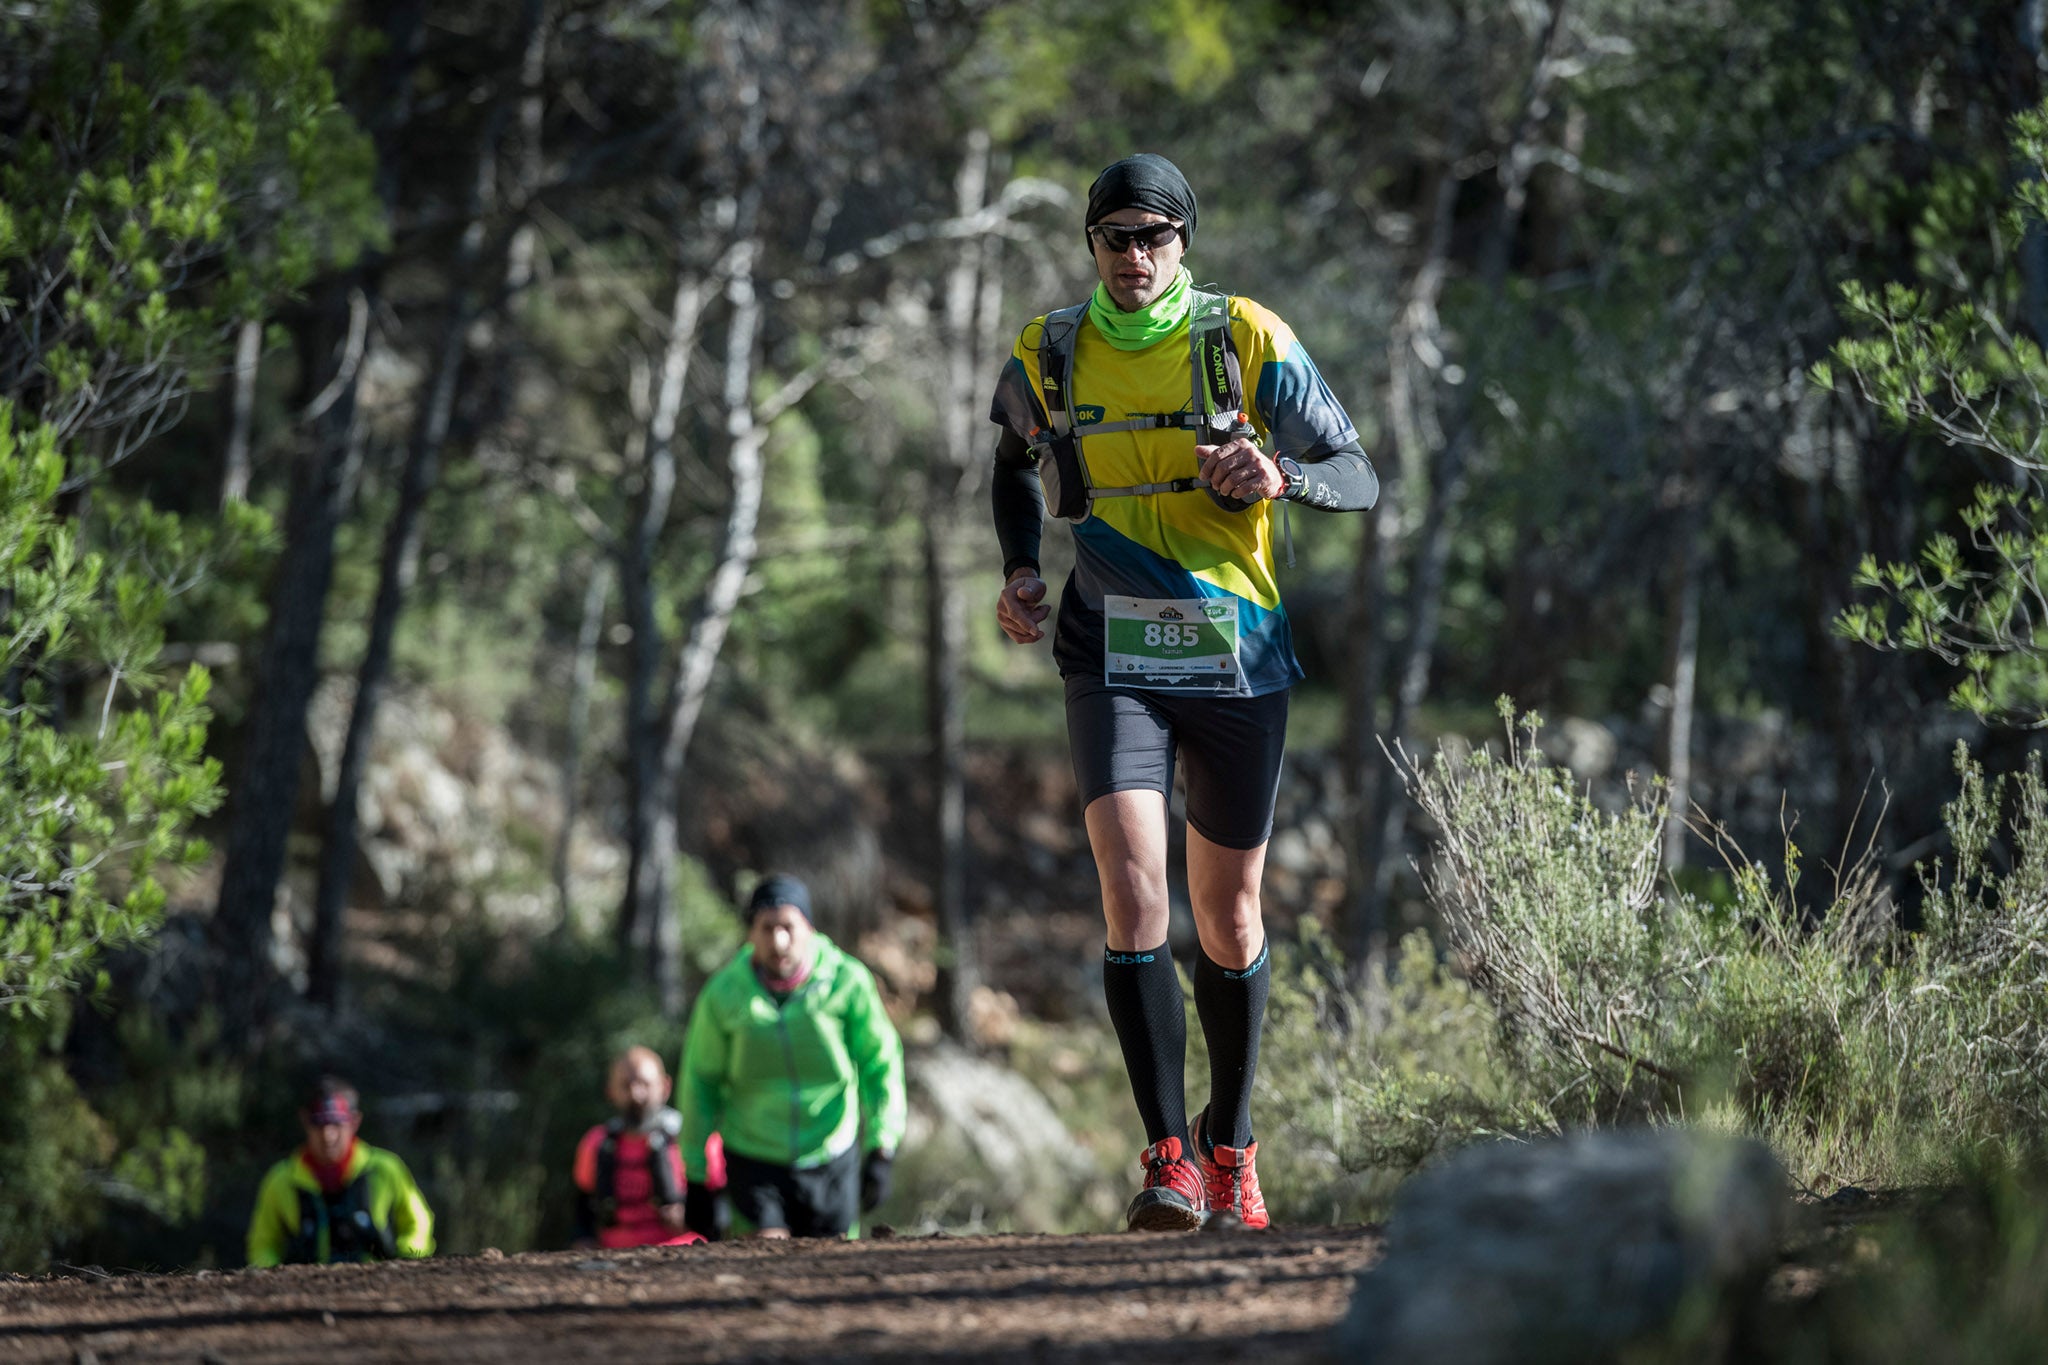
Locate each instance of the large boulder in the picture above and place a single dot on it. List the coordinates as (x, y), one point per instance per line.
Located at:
(1575, 1250)
(985, 1150)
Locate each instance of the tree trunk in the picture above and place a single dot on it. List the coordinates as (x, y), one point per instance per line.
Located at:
(266, 785)
(657, 476)
(945, 608)
(399, 567)
(1682, 652)
(745, 435)
(2027, 25)
(1363, 933)
(1379, 805)
(582, 679)
(234, 483)
(1449, 447)
(1428, 571)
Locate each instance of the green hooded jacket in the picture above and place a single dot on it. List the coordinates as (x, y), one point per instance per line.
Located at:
(794, 1083)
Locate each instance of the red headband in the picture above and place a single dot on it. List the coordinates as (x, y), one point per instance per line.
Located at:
(332, 1109)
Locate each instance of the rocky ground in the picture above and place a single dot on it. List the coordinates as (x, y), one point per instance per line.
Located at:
(1271, 1297)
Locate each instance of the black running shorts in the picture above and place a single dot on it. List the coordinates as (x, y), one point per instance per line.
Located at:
(1126, 739)
(811, 1201)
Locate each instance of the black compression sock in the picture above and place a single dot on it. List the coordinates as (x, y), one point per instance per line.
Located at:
(1232, 1007)
(1151, 1023)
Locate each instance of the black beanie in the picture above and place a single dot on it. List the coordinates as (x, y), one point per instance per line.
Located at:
(1145, 181)
(780, 889)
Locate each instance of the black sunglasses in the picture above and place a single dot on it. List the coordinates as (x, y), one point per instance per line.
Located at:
(1117, 240)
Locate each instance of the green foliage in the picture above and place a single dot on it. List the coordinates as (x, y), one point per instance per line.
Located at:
(100, 801)
(1860, 1050)
(50, 1140)
(181, 166)
(1982, 958)
(1031, 64)
(1964, 373)
(1551, 903)
(1959, 1276)
(1358, 1090)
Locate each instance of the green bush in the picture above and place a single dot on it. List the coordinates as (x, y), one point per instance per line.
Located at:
(1552, 906)
(50, 1144)
(1358, 1090)
(1865, 1053)
(1583, 986)
(1959, 1274)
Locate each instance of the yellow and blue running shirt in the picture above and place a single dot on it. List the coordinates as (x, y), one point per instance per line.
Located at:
(1176, 545)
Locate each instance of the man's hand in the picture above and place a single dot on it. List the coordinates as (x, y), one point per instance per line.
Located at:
(874, 1180)
(1022, 606)
(1238, 469)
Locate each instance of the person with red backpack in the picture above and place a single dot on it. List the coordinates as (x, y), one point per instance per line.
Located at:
(1172, 427)
(631, 1190)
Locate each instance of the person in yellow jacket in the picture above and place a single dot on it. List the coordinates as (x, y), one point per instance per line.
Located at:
(338, 1198)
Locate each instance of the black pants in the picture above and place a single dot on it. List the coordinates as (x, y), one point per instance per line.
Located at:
(1126, 739)
(811, 1201)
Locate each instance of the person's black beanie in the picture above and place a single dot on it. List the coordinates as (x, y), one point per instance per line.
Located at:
(780, 889)
(1145, 181)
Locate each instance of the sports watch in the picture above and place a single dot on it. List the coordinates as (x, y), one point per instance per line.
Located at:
(1290, 470)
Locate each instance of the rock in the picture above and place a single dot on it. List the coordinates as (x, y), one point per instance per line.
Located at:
(1289, 851)
(981, 1126)
(1571, 1250)
(1586, 747)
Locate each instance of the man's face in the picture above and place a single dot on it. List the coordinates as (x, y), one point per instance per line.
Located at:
(1136, 275)
(640, 1086)
(782, 940)
(329, 1141)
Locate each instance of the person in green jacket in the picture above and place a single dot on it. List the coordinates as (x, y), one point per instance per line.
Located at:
(793, 1061)
(338, 1198)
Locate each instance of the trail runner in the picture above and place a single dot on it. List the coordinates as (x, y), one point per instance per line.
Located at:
(1165, 423)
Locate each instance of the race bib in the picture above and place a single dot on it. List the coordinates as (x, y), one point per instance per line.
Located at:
(1180, 644)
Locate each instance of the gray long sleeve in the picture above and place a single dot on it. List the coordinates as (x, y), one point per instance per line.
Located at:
(1019, 503)
(1341, 481)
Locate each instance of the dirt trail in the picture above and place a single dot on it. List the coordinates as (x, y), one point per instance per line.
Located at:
(1268, 1297)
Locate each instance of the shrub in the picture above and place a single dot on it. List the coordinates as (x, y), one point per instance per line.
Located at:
(1863, 1052)
(1551, 906)
(1358, 1090)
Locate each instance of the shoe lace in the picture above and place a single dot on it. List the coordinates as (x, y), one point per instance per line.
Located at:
(1160, 1170)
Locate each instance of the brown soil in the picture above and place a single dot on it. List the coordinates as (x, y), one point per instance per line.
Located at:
(1210, 1297)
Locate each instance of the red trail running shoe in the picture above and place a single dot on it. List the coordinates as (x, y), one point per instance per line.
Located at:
(1172, 1198)
(1230, 1182)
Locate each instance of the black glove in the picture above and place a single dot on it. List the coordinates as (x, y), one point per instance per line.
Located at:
(700, 1212)
(874, 1180)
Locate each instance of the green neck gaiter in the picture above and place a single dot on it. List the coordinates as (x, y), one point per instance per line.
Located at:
(1156, 321)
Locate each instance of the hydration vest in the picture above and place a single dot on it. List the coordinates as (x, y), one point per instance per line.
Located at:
(667, 1189)
(343, 1223)
(1214, 414)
